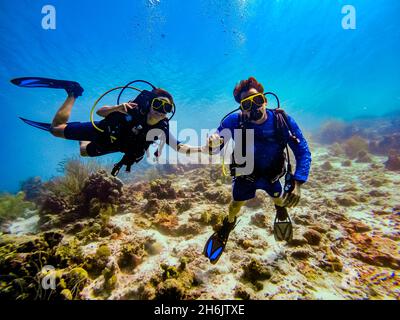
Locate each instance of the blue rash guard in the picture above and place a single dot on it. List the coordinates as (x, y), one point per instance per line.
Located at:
(267, 149)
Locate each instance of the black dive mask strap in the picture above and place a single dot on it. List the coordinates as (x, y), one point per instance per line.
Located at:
(128, 84)
(143, 100)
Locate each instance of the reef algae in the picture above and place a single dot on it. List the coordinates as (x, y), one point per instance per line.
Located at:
(14, 206)
(26, 262)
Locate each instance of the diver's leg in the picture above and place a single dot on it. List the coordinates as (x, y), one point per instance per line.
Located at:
(278, 201)
(281, 211)
(234, 209)
(242, 190)
(82, 148)
(274, 190)
(215, 245)
(62, 116)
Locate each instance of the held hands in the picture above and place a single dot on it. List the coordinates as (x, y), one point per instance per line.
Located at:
(214, 141)
(125, 107)
(292, 199)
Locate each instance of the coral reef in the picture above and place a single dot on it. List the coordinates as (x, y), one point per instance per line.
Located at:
(100, 185)
(75, 175)
(382, 133)
(101, 239)
(336, 150)
(313, 237)
(98, 194)
(218, 196)
(346, 163)
(161, 190)
(346, 201)
(174, 283)
(184, 205)
(256, 272)
(376, 251)
(96, 263)
(131, 256)
(242, 293)
(166, 223)
(25, 266)
(14, 206)
(326, 166)
(211, 217)
(393, 161)
(300, 254)
(259, 220)
(32, 188)
(363, 157)
(354, 145)
(383, 145)
(257, 202)
(335, 131)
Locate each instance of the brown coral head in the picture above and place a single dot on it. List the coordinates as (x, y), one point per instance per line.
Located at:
(393, 153)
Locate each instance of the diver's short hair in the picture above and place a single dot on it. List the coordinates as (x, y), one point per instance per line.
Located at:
(246, 85)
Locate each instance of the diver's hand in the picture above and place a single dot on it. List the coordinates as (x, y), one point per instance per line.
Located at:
(214, 141)
(125, 107)
(292, 199)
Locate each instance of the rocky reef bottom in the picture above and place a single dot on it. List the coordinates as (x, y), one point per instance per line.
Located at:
(97, 238)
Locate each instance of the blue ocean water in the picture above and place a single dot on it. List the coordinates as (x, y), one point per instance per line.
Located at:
(197, 50)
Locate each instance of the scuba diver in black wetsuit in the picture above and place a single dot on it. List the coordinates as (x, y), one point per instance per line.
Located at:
(129, 127)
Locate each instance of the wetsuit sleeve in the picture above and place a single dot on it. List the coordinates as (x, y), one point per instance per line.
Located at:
(169, 137)
(226, 128)
(301, 152)
(171, 140)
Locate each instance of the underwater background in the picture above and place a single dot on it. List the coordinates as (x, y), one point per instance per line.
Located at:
(198, 50)
(65, 218)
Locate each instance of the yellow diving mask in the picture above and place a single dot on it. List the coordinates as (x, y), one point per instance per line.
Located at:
(255, 100)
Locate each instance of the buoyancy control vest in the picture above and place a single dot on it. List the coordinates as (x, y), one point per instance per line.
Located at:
(282, 133)
(130, 132)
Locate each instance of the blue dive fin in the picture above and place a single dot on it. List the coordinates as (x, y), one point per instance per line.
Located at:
(39, 125)
(214, 248)
(71, 87)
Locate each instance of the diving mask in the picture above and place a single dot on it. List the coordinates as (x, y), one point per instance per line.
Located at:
(253, 104)
(254, 101)
(161, 105)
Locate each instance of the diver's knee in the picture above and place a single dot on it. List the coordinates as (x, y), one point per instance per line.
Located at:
(57, 131)
(236, 204)
(234, 209)
(83, 152)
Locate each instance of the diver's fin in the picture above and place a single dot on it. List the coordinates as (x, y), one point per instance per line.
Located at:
(39, 125)
(283, 230)
(215, 245)
(214, 248)
(71, 87)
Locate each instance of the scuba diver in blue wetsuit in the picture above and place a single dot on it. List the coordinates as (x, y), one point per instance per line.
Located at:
(126, 127)
(273, 131)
